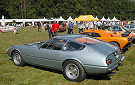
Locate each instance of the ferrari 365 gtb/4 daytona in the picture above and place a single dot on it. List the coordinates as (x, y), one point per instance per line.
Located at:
(75, 55)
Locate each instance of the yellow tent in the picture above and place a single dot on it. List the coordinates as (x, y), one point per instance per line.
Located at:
(85, 18)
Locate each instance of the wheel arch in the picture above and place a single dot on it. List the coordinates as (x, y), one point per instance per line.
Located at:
(117, 43)
(14, 51)
(71, 59)
(74, 60)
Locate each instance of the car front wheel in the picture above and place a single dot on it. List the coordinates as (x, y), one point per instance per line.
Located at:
(73, 71)
(17, 59)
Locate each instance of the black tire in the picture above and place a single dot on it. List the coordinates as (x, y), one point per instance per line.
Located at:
(17, 59)
(115, 44)
(77, 70)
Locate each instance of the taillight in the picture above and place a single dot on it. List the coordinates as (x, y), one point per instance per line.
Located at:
(109, 61)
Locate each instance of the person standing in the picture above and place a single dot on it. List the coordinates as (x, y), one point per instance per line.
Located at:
(99, 24)
(70, 27)
(21, 26)
(43, 29)
(124, 23)
(55, 27)
(39, 26)
(50, 31)
(91, 25)
(15, 29)
(86, 25)
(81, 27)
(113, 23)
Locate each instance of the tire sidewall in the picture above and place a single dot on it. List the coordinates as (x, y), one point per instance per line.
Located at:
(82, 73)
(22, 61)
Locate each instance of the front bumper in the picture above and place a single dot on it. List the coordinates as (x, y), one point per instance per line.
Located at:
(125, 48)
(133, 40)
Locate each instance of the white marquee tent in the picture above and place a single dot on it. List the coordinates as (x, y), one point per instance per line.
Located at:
(70, 19)
(103, 19)
(108, 19)
(115, 19)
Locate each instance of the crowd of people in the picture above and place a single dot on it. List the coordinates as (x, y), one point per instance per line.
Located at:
(52, 28)
(96, 24)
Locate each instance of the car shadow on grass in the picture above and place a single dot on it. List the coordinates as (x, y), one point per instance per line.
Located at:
(98, 77)
(45, 68)
(93, 77)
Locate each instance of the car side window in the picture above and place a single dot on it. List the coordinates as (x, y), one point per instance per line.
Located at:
(96, 35)
(55, 44)
(45, 45)
(73, 46)
(117, 28)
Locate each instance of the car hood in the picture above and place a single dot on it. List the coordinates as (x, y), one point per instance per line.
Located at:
(102, 47)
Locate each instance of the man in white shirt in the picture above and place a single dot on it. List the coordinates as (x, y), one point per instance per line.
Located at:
(91, 25)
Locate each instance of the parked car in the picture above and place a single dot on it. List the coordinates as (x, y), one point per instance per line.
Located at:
(123, 41)
(130, 27)
(7, 29)
(119, 29)
(59, 29)
(75, 55)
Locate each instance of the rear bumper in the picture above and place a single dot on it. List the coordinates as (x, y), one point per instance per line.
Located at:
(96, 70)
(99, 70)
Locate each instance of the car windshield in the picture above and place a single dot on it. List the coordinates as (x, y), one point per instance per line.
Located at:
(87, 40)
(125, 28)
(109, 28)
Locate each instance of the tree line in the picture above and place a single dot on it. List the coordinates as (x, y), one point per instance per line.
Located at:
(122, 9)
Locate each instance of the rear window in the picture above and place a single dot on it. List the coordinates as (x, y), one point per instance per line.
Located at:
(87, 40)
(73, 46)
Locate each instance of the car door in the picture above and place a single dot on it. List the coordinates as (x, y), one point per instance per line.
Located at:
(50, 53)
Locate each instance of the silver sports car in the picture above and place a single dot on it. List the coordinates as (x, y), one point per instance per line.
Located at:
(75, 55)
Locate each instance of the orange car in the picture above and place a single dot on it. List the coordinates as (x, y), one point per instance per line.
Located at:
(123, 41)
(119, 29)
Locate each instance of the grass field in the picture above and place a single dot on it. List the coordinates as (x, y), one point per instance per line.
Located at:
(34, 75)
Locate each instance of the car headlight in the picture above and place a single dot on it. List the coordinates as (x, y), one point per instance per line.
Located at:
(109, 61)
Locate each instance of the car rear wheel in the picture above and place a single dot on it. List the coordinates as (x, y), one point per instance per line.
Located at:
(73, 71)
(115, 44)
(17, 59)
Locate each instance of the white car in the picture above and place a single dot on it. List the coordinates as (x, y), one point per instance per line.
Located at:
(7, 29)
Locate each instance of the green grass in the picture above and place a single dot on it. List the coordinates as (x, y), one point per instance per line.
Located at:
(32, 75)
